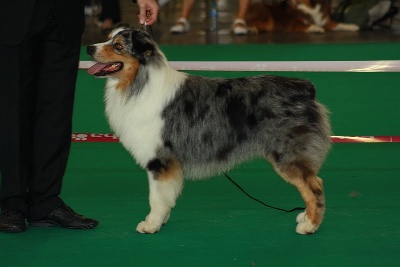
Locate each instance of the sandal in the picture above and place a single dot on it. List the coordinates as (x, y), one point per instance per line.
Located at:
(239, 27)
(181, 26)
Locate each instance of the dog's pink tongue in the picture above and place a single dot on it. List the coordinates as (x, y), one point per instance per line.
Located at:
(96, 68)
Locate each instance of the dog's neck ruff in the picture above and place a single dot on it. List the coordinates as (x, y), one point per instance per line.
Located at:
(135, 115)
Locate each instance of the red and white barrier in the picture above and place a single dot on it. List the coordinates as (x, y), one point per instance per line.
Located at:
(111, 138)
(287, 66)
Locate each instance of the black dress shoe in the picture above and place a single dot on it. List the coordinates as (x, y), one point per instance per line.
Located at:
(65, 217)
(12, 221)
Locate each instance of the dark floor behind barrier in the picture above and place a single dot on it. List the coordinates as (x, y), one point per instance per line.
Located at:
(199, 33)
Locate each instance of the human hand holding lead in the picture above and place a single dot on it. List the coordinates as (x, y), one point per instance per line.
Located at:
(148, 11)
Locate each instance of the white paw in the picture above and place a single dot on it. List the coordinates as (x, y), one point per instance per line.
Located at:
(145, 227)
(304, 226)
(301, 217)
(347, 27)
(166, 218)
(252, 30)
(303, 8)
(315, 28)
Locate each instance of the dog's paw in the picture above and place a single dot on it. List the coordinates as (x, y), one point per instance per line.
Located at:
(166, 218)
(304, 8)
(315, 29)
(347, 27)
(304, 226)
(145, 227)
(301, 217)
(253, 30)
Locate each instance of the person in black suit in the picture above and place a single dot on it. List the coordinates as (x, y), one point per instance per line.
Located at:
(39, 57)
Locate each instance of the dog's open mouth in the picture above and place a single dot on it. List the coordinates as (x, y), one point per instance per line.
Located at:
(103, 69)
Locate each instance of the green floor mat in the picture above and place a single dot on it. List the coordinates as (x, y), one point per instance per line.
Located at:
(215, 224)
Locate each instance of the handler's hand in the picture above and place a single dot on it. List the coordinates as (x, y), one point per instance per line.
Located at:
(148, 11)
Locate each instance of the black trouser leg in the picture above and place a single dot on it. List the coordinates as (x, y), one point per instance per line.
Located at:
(36, 102)
(53, 122)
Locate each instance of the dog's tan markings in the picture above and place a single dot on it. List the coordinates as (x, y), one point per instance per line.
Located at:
(108, 55)
(331, 25)
(303, 176)
(172, 170)
(148, 53)
(308, 16)
(166, 183)
(128, 74)
(165, 170)
(255, 23)
(131, 66)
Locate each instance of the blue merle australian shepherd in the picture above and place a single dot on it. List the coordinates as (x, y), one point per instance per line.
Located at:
(180, 126)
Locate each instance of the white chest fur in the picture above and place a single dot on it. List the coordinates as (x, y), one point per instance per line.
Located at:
(136, 119)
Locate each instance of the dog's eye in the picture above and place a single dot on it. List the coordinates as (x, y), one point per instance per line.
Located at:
(118, 47)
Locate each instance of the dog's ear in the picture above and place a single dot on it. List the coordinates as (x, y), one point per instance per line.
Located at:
(142, 45)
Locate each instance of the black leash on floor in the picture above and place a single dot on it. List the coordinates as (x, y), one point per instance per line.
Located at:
(259, 201)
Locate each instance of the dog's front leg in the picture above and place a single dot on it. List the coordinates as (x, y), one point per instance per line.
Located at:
(164, 187)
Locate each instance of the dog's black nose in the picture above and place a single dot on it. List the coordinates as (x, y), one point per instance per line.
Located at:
(90, 50)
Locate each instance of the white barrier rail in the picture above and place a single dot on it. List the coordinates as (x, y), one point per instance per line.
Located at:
(292, 66)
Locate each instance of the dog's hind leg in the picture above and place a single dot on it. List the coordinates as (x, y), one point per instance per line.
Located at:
(165, 184)
(304, 177)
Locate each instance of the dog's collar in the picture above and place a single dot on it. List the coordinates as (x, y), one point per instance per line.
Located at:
(147, 28)
(143, 26)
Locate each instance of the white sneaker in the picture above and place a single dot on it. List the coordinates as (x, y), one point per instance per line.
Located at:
(181, 26)
(239, 27)
(162, 3)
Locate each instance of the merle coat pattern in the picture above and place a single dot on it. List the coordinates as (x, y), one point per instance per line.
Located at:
(178, 125)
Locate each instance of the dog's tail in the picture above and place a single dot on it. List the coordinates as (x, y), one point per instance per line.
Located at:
(307, 88)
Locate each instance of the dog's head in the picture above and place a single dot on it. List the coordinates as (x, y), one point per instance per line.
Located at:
(122, 54)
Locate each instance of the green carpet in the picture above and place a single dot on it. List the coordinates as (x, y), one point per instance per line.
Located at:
(214, 224)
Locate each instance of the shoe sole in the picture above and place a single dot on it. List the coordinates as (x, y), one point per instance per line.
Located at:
(13, 230)
(49, 223)
(43, 224)
(178, 32)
